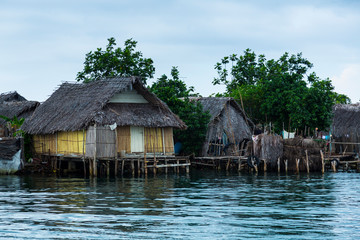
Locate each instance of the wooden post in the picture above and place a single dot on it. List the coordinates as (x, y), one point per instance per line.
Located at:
(95, 153)
(132, 167)
(116, 166)
(307, 162)
(166, 168)
(187, 167)
(122, 166)
(286, 165)
(145, 164)
(108, 168)
(177, 168)
(138, 165)
(278, 163)
(228, 164)
(322, 162)
(91, 173)
(333, 165)
(297, 161)
(265, 166)
(84, 162)
(95, 167)
(239, 164)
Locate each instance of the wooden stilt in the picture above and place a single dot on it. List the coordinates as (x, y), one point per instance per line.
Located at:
(108, 168)
(132, 168)
(265, 166)
(297, 161)
(166, 168)
(122, 167)
(239, 164)
(95, 167)
(333, 165)
(228, 164)
(278, 163)
(116, 166)
(307, 162)
(322, 162)
(286, 165)
(187, 167)
(138, 166)
(145, 164)
(177, 168)
(84, 163)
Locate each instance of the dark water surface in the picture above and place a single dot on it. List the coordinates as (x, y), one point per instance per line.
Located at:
(201, 205)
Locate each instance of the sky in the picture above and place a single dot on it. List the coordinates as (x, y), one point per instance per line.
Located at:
(43, 43)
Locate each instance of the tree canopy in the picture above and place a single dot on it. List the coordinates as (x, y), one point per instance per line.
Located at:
(283, 92)
(176, 94)
(116, 62)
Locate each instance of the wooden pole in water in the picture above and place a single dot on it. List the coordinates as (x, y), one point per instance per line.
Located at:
(278, 163)
(108, 168)
(322, 162)
(286, 165)
(228, 164)
(297, 161)
(333, 165)
(239, 164)
(122, 166)
(265, 166)
(138, 166)
(132, 167)
(187, 167)
(307, 162)
(145, 164)
(116, 166)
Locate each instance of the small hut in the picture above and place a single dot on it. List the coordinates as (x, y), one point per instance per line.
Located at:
(346, 127)
(228, 128)
(11, 97)
(13, 104)
(103, 119)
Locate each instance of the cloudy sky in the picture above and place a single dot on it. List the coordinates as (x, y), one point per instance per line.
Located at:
(43, 43)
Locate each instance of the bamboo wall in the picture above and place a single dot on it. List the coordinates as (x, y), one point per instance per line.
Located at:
(158, 140)
(60, 143)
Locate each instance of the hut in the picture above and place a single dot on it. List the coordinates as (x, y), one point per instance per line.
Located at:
(346, 127)
(103, 119)
(11, 97)
(228, 128)
(13, 104)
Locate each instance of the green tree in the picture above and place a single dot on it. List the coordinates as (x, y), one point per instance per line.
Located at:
(176, 95)
(283, 91)
(116, 62)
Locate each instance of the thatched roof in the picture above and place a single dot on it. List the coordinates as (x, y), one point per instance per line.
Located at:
(21, 109)
(75, 106)
(11, 96)
(346, 120)
(216, 105)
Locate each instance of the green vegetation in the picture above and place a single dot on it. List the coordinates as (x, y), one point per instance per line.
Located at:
(14, 124)
(175, 94)
(281, 91)
(116, 62)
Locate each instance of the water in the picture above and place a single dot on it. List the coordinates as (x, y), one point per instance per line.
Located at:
(201, 205)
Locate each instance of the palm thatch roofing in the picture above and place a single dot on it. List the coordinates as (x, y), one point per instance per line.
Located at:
(21, 109)
(11, 96)
(346, 120)
(217, 105)
(76, 106)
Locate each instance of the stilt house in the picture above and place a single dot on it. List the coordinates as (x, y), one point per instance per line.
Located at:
(346, 127)
(228, 126)
(13, 104)
(103, 119)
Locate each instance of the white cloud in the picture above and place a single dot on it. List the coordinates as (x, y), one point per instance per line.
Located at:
(348, 82)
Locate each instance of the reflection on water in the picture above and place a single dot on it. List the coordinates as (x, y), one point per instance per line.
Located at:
(202, 205)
